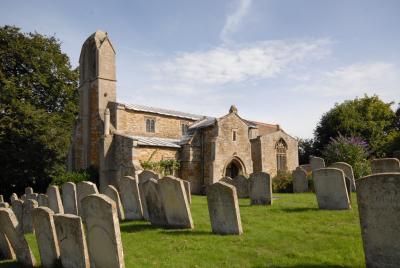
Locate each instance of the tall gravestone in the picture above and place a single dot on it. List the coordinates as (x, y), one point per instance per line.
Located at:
(260, 189)
(72, 241)
(330, 188)
(99, 214)
(378, 205)
(83, 189)
(348, 173)
(300, 182)
(6, 251)
(187, 190)
(69, 198)
(55, 203)
(8, 226)
(223, 208)
(176, 205)
(27, 208)
(316, 163)
(112, 193)
(242, 186)
(383, 165)
(143, 177)
(13, 197)
(18, 209)
(154, 203)
(43, 200)
(46, 237)
(130, 198)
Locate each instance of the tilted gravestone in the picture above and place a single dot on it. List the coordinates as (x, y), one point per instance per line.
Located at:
(187, 190)
(378, 205)
(8, 226)
(69, 198)
(83, 189)
(260, 189)
(383, 165)
(18, 209)
(43, 200)
(13, 197)
(100, 217)
(130, 198)
(242, 186)
(46, 237)
(154, 203)
(55, 202)
(27, 208)
(175, 203)
(316, 163)
(144, 176)
(300, 182)
(112, 193)
(348, 173)
(330, 188)
(223, 208)
(6, 251)
(71, 241)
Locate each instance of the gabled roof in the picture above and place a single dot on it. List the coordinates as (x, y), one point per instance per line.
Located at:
(148, 109)
(153, 141)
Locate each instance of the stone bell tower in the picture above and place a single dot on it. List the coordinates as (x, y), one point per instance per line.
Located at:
(97, 87)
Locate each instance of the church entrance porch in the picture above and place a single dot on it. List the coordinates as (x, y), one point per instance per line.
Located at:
(234, 168)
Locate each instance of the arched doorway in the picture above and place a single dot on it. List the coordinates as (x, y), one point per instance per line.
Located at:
(234, 168)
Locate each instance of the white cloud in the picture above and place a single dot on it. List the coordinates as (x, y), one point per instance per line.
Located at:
(234, 20)
(380, 78)
(233, 64)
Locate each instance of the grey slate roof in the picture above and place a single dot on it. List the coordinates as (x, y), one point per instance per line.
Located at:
(205, 122)
(155, 141)
(142, 108)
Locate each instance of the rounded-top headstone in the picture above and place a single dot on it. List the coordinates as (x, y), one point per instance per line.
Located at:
(383, 165)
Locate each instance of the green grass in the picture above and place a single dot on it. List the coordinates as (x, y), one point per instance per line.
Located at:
(290, 233)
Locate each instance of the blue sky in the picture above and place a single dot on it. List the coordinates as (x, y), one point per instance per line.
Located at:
(281, 61)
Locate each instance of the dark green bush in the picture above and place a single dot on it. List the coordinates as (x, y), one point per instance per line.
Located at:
(282, 183)
(89, 174)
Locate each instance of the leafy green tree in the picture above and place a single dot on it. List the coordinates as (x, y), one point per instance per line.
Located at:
(368, 118)
(306, 149)
(38, 106)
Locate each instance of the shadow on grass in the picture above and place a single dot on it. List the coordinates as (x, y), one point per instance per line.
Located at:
(133, 228)
(291, 210)
(304, 266)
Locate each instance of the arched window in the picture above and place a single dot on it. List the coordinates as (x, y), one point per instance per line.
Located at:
(281, 148)
(150, 125)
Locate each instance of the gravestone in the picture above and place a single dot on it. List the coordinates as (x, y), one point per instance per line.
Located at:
(43, 200)
(100, 217)
(112, 193)
(6, 251)
(18, 209)
(13, 197)
(227, 180)
(383, 165)
(378, 206)
(242, 186)
(71, 241)
(33, 196)
(300, 182)
(55, 202)
(144, 176)
(223, 208)
(154, 203)
(4, 205)
(23, 197)
(9, 227)
(260, 189)
(187, 190)
(330, 188)
(46, 237)
(175, 203)
(316, 163)
(27, 208)
(348, 173)
(69, 198)
(130, 198)
(28, 190)
(1, 198)
(83, 189)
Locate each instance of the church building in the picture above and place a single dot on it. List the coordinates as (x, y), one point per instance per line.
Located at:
(116, 137)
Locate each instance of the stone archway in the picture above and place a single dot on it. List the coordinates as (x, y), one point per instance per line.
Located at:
(234, 168)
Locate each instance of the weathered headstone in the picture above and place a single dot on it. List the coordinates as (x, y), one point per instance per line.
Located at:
(27, 208)
(28, 190)
(300, 182)
(330, 188)
(23, 197)
(144, 176)
(378, 206)
(176, 205)
(223, 208)
(83, 189)
(55, 202)
(6, 251)
(18, 209)
(242, 186)
(112, 193)
(130, 198)
(348, 173)
(1, 198)
(4, 205)
(316, 163)
(260, 189)
(227, 180)
(43, 200)
(71, 241)
(13, 197)
(154, 203)
(100, 217)
(46, 237)
(187, 190)
(8, 226)
(383, 165)
(33, 196)
(396, 154)
(69, 198)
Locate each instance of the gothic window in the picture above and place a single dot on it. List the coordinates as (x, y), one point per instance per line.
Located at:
(150, 125)
(281, 148)
(185, 129)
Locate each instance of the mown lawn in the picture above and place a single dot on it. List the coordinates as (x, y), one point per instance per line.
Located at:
(290, 233)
